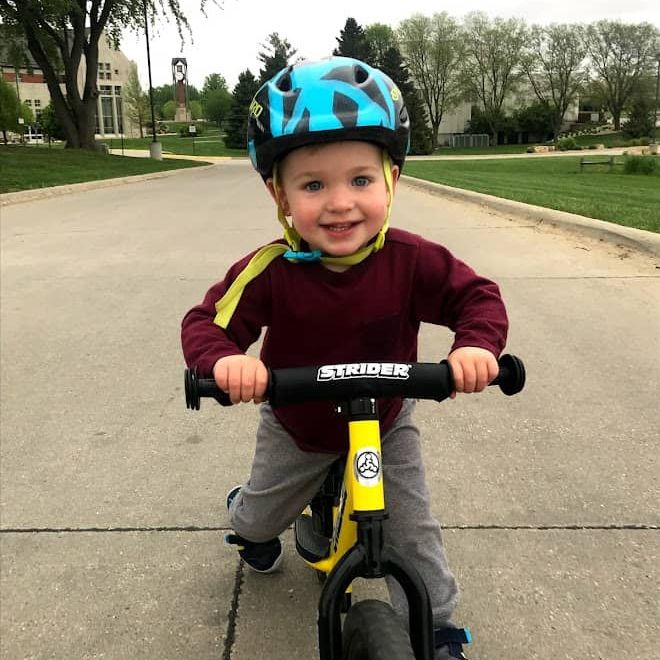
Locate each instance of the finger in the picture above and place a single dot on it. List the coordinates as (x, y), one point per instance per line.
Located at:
(469, 378)
(247, 383)
(234, 383)
(220, 375)
(482, 376)
(493, 370)
(261, 383)
(457, 373)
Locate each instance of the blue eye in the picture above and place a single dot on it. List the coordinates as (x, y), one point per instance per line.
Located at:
(361, 181)
(313, 186)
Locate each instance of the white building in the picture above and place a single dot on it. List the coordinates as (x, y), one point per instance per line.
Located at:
(113, 71)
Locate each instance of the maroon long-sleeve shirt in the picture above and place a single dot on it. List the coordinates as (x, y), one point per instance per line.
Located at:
(370, 312)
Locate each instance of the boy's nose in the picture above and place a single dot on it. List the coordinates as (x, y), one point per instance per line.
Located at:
(340, 200)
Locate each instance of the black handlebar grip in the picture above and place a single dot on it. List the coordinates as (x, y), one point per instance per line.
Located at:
(511, 378)
(196, 388)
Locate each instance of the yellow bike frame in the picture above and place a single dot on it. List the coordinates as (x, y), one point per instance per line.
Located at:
(362, 489)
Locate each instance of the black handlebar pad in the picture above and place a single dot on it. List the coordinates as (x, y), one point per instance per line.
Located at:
(343, 382)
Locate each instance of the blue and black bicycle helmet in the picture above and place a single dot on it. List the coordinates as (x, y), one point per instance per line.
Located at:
(339, 98)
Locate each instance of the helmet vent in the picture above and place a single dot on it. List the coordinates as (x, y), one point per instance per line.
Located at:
(284, 83)
(361, 75)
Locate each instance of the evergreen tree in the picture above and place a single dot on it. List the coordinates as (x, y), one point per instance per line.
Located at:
(420, 133)
(277, 54)
(246, 88)
(352, 42)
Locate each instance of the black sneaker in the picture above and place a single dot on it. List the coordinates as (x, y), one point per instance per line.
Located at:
(449, 643)
(263, 557)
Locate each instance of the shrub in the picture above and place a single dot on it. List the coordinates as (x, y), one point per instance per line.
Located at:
(530, 150)
(593, 146)
(184, 131)
(640, 164)
(644, 142)
(567, 143)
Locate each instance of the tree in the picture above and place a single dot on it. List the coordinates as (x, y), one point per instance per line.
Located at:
(50, 125)
(216, 98)
(168, 110)
(9, 109)
(60, 33)
(391, 63)
(162, 94)
(620, 54)
(276, 56)
(641, 109)
(380, 38)
(554, 63)
(246, 87)
(216, 105)
(537, 120)
(491, 66)
(212, 83)
(432, 48)
(352, 42)
(196, 111)
(136, 101)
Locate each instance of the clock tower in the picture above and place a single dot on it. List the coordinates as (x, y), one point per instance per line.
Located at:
(180, 80)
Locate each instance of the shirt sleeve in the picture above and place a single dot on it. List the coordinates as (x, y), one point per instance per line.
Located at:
(204, 342)
(448, 292)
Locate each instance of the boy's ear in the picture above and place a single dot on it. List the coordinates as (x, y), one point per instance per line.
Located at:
(396, 171)
(279, 196)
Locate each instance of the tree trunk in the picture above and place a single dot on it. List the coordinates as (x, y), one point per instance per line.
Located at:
(4, 135)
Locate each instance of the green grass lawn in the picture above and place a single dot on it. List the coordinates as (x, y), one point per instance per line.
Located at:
(631, 200)
(607, 139)
(210, 143)
(24, 167)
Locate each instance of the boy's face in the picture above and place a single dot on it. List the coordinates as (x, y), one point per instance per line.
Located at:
(335, 194)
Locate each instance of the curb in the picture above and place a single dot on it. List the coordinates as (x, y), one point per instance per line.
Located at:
(636, 239)
(7, 199)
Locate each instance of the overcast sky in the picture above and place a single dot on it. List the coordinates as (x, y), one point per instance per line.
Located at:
(228, 39)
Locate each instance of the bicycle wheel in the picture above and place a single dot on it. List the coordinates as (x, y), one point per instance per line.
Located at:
(372, 631)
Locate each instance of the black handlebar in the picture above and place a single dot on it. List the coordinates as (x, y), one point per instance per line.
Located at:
(343, 382)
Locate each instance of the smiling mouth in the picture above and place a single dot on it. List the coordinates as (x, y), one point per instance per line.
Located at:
(340, 227)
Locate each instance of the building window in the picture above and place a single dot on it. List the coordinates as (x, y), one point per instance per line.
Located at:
(28, 102)
(120, 118)
(105, 90)
(37, 103)
(116, 72)
(117, 90)
(106, 109)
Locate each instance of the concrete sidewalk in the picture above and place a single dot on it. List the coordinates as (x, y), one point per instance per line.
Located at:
(112, 493)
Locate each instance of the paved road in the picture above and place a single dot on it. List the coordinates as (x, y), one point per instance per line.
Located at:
(111, 500)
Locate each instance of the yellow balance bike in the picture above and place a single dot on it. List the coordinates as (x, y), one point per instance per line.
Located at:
(341, 533)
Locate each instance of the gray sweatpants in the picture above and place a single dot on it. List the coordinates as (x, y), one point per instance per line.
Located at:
(284, 479)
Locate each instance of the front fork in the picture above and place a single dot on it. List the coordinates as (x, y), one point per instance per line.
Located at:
(370, 557)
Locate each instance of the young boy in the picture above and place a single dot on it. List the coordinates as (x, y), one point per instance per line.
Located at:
(329, 139)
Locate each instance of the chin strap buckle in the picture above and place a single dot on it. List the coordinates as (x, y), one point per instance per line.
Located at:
(292, 255)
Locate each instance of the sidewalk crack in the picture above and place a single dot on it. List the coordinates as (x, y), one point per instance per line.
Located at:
(232, 616)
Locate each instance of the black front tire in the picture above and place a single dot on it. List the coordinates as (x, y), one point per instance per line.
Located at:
(373, 631)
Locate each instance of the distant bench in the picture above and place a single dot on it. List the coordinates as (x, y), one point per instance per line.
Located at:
(609, 161)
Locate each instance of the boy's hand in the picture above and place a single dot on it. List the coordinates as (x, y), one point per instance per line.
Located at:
(473, 368)
(243, 377)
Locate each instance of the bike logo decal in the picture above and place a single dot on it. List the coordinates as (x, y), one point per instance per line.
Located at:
(367, 466)
(362, 369)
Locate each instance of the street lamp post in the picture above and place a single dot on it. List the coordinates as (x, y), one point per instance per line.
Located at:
(657, 94)
(155, 148)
